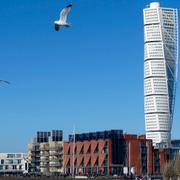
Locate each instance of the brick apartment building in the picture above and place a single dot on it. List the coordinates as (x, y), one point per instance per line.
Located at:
(95, 153)
(108, 153)
(139, 152)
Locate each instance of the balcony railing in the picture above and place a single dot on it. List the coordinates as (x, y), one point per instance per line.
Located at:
(42, 153)
(55, 164)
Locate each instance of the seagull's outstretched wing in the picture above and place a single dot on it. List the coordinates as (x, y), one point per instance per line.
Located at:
(64, 12)
(3, 81)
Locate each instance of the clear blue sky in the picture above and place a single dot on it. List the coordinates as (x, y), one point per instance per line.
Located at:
(90, 75)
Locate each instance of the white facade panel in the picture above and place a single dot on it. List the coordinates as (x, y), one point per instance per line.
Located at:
(152, 33)
(155, 86)
(155, 68)
(151, 16)
(156, 104)
(154, 50)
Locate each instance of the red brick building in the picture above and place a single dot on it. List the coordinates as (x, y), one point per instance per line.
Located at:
(139, 154)
(160, 158)
(90, 157)
(108, 153)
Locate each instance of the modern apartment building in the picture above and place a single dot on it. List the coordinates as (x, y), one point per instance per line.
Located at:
(45, 153)
(13, 163)
(160, 71)
(108, 153)
(94, 153)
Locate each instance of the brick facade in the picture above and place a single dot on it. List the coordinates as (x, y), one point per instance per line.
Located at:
(109, 156)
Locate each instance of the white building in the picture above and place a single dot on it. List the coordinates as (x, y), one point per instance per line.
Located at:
(160, 70)
(13, 163)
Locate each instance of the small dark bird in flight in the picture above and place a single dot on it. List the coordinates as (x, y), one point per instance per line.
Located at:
(3, 81)
(63, 18)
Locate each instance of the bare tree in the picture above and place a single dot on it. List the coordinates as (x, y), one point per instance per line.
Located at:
(170, 171)
(177, 165)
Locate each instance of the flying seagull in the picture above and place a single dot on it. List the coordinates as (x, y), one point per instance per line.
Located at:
(3, 81)
(63, 18)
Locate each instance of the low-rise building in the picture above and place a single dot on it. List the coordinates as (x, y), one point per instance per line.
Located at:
(13, 163)
(139, 153)
(108, 153)
(175, 148)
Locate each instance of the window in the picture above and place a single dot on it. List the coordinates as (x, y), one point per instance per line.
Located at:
(82, 150)
(19, 161)
(2, 161)
(14, 167)
(10, 161)
(10, 155)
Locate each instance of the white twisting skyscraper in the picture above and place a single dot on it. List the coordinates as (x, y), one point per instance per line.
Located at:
(160, 70)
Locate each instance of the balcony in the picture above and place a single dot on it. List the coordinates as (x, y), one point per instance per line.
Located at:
(53, 153)
(44, 153)
(55, 164)
(44, 147)
(44, 164)
(44, 158)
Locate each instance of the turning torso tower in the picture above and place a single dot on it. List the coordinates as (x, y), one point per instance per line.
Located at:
(160, 70)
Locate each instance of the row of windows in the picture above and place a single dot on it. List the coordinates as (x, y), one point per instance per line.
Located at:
(157, 128)
(158, 98)
(10, 161)
(156, 105)
(155, 89)
(149, 72)
(12, 167)
(158, 136)
(150, 110)
(150, 123)
(153, 67)
(150, 91)
(151, 128)
(156, 80)
(156, 119)
(154, 102)
(152, 33)
(153, 52)
(155, 86)
(155, 73)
